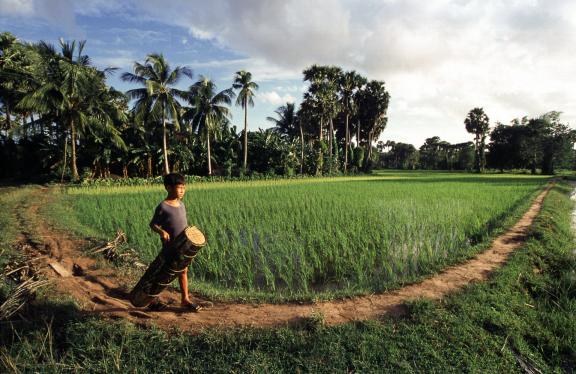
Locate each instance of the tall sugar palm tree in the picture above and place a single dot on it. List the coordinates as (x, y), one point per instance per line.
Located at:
(374, 100)
(478, 123)
(322, 95)
(157, 98)
(349, 83)
(209, 112)
(243, 82)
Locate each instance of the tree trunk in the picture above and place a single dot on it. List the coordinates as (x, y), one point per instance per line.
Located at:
(320, 160)
(368, 152)
(336, 153)
(42, 127)
(75, 174)
(164, 144)
(358, 135)
(149, 166)
(245, 164)
(301, 149)
(65, 152)
(24, 127)
(548, 162)
(346, 141)
(482, 157)
(209, 154)
(8, 121)
(33, 123)
(331, 139)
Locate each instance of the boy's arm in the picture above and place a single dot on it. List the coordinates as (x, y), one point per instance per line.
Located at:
(163, 234)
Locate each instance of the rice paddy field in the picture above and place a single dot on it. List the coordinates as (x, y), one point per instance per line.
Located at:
(321, 237)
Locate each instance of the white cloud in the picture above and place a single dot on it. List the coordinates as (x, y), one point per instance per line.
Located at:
(272, 97)
(16, 7)
(56, 12)
(100, 7)
(200, 34)
(439, 58)
(444, 56)
(118, 58)
(261, 70)
(298, 89)
(129, 36)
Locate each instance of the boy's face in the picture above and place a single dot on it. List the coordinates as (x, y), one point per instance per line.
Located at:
(176, 191)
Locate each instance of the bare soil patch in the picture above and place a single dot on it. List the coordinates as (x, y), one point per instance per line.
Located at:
(101, 290)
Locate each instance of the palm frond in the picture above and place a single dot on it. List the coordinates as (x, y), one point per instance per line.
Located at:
(132, 78)
(137, 93)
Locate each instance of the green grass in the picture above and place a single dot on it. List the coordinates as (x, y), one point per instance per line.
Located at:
(524, 312)
(13, 216)
(317, 238)
(9, 197)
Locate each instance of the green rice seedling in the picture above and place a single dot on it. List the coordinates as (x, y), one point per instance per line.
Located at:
(309, 238)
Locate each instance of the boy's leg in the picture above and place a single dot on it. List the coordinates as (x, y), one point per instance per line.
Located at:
(183, 281)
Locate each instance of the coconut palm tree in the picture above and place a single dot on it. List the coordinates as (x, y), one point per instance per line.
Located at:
(11, 66)
(289, 125)
(69, 87)
(286, 123)
(157, 98)
(209, 111)
(243, 82)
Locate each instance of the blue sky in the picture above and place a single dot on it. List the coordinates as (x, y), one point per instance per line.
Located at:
(439, 59)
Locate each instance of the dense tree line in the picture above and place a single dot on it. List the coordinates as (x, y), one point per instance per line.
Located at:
(434, 154)
(59, 118)
(539, 144)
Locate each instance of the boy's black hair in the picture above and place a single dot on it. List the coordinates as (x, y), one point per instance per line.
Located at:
(173, 179)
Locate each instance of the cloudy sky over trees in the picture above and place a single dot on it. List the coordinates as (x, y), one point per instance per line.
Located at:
(438, 58)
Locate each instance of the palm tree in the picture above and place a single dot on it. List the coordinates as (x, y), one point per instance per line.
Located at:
(20, 63)
(373, 100)
(322, 95)
(68, 86)
(286, 122)
(157, 97)
(243, 82)
(349, 83)
(288, 125)
(11, 65)
(478, 123)
(209, 111)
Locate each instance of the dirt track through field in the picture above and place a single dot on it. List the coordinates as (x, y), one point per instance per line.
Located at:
(101, 290)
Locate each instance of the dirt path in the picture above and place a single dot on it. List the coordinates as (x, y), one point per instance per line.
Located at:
(101, 290)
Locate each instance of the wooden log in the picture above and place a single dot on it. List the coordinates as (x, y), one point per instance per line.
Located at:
(172, 260)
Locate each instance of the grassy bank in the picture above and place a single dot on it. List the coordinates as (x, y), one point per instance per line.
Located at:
(522, 316)
(317, 238)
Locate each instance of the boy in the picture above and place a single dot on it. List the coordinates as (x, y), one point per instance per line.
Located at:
(169, 221)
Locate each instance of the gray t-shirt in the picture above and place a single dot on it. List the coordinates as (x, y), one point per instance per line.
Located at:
(171, 219)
